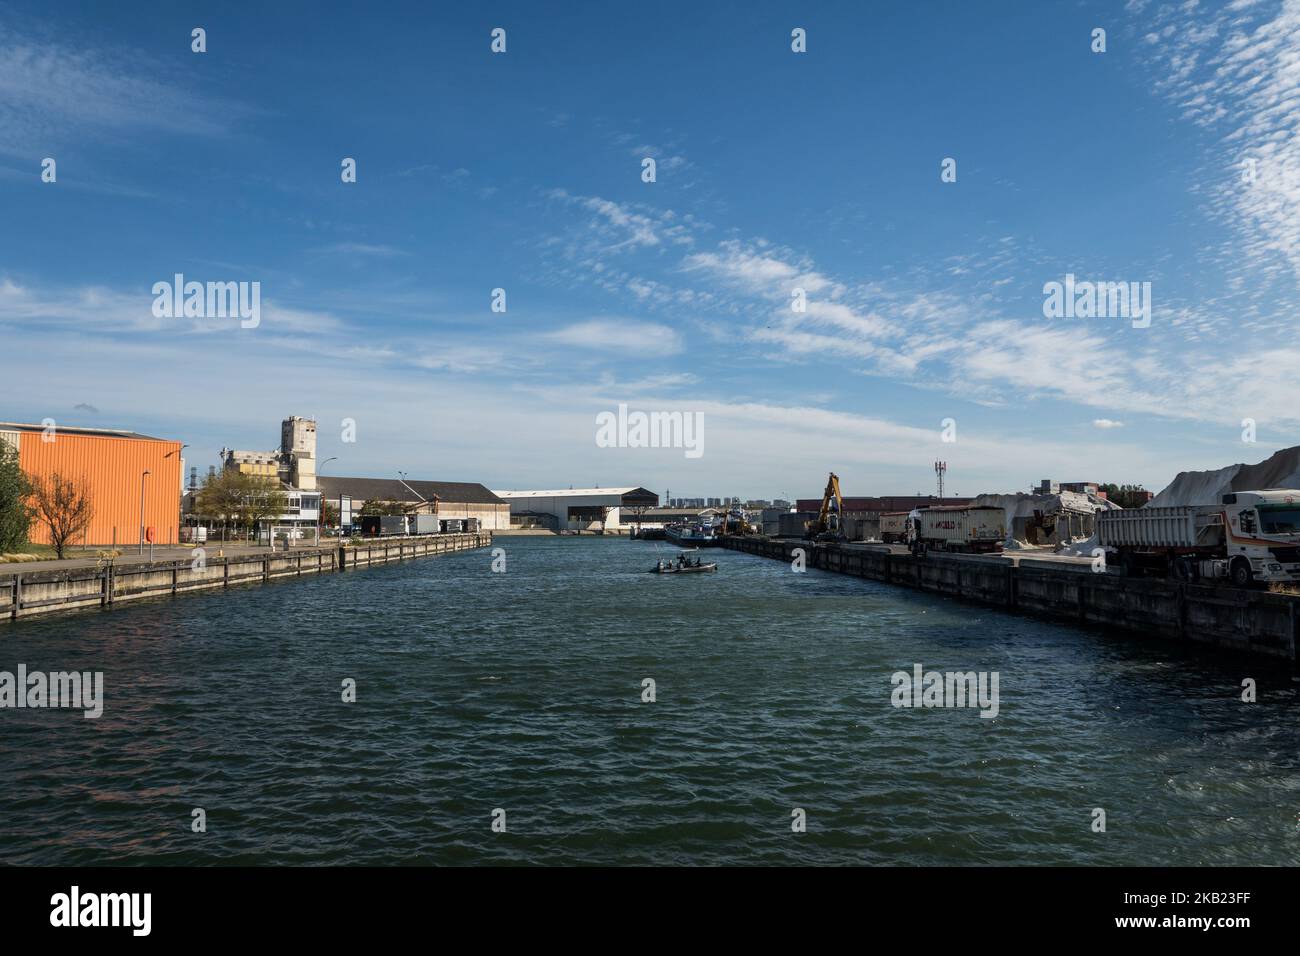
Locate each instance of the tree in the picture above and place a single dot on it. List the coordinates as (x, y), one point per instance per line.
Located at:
(329, 514)
(63, 506)
(219, 498)
(234, 498)
(261, 500)
(15, 489)
(1126, 496)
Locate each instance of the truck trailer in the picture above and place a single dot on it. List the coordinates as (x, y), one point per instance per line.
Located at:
(1251, 537)
(893, 526)
(425, 524)
(393, 524)
(974, 528)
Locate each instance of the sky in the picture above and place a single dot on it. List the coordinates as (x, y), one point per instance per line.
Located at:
(1171, 158)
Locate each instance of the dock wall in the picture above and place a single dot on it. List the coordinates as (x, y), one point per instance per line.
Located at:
(26, 594)
(1236, 619)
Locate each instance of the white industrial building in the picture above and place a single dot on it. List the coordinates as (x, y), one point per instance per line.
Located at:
(580, 509)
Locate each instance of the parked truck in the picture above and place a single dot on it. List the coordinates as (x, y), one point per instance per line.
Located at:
(956, 528)
(424, 524)
(893, 527)
(393, 524)
(1251, 537)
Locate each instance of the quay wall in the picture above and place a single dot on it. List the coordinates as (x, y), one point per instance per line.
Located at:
(26, 594)
(1236, 619)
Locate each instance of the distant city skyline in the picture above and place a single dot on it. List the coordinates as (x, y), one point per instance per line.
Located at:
(1167, 165)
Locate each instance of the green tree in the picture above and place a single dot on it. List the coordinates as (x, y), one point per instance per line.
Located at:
(219, 498)
(1126, 496)
(15, 511)
(236, 499)
(260, 500)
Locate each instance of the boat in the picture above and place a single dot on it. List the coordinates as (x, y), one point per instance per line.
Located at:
(691, 535)
(687, 569)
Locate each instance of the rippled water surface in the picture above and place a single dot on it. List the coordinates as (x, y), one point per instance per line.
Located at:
(522, 691)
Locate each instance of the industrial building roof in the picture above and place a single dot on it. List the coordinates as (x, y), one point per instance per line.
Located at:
(885, 503)
(580, 493)
(655, 514)
(74, 430)
(392, 489)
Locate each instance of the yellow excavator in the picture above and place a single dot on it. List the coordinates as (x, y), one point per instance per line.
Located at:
(827, 525)
(735, 522)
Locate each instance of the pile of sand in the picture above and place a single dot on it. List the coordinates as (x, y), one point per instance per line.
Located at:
(1281, 470)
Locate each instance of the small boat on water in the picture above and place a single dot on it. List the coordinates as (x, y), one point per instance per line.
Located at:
(684, 568)
(686, 535)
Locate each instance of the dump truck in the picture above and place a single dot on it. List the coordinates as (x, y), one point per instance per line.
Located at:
(973, 528)
(893, 526)
(1250, 537)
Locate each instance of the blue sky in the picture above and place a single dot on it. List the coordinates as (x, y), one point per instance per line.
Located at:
(522, 171)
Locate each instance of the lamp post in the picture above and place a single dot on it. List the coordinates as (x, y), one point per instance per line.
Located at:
(143, 476)
(179, 515)
(320, 506)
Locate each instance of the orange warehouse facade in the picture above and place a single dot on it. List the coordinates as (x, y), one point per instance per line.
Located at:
(111, 464)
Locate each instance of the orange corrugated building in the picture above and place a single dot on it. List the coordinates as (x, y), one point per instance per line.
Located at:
(111, 462)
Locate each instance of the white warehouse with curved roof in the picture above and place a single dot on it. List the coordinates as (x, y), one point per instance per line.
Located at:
(581, 509)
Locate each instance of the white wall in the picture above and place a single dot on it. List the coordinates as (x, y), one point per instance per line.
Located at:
(559, 508)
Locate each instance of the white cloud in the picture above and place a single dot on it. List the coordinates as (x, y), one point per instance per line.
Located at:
(53, 95)
(622, 226)
(625, 336)
(1106, 423)
(1236, 71)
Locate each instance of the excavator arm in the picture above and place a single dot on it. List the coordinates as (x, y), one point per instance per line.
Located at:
(828, 518)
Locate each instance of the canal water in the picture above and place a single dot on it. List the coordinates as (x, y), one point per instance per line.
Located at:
(522, 692)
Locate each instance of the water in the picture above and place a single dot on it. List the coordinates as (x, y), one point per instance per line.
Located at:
(522, 691)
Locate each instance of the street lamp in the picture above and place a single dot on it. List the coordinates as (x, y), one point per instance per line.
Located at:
(320, 505)
(143, 476)
(179, 515)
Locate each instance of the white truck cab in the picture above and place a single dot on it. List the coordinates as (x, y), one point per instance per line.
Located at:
(1264, 528)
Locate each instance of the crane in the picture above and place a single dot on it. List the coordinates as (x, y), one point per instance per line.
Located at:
(827, 525)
